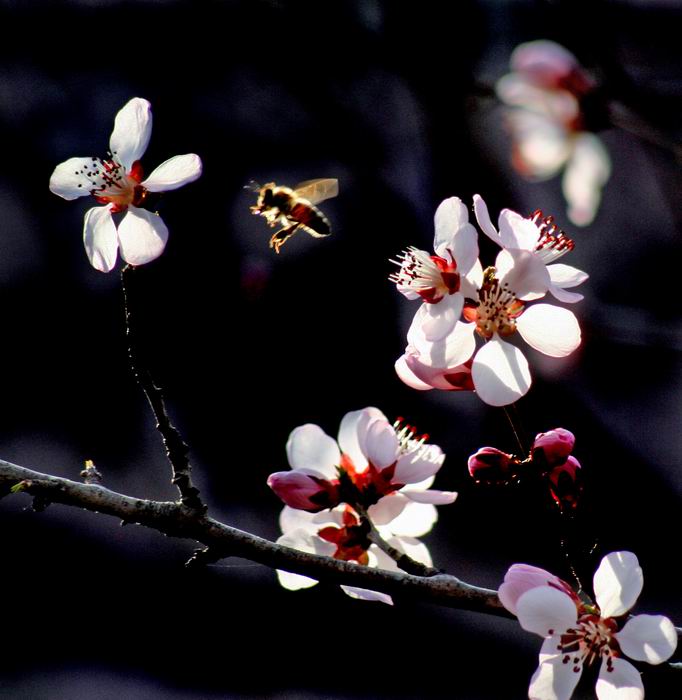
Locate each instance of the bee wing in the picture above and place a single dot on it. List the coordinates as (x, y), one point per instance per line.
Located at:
(312, 232)
(317, 190)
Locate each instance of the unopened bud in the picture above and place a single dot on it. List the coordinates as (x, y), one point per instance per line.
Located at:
(565, 483)
(553, 447)
(491, 465)
(304, 491)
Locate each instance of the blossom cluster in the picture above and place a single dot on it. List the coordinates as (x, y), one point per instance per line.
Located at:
(374, 466)
(461, 301)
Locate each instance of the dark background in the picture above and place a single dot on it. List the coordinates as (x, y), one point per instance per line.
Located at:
(394, 100)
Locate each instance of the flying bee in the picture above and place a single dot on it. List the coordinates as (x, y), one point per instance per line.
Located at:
(294, 209)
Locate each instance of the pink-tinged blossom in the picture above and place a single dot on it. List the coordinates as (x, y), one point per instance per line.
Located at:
(371, 459)
(539, 235)
(556, 445)
(546, 93)
(117, 184)
(577, 634)
(440, 280)
(492, 466)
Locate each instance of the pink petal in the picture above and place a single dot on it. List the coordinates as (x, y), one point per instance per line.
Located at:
(553, 680)
(552, 330)
(587, 171)
(650, 638)
(414, 520)
(303, 491)
(566, 275)
(100, 238)
(617, 583)
(455, 234)
(387, 509)
(174, 173)
(546, 611)
(521, 578)
(413, 548)
(623, 682)
(433, 496)
(142, 236)
(132, 130)
(564, 296)
(453, 350)
(364, 594)
(437, 320)
(407, 376)
(500, 373)
(310, 448)
(543, 58)
(68, 179)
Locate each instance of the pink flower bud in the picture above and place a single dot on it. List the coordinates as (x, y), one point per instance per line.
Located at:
(491, 465)
(521, 578)
(304, 491)
(565, 483)
(552, 447)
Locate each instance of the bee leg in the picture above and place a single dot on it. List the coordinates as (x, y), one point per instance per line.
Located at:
(282, 236)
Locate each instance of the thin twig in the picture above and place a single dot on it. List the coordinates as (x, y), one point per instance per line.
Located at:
(517, 433)
(176, 447)
(404, 561)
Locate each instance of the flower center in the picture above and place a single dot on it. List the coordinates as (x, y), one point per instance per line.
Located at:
(552, 241)
(408, 440)
(591, 639)
(351, 540)
(429, 276)
(497, 309)
(110, 184)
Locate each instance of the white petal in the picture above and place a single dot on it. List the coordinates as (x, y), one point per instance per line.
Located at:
(439, 319)
(348, 433)
(566, 275)
(564, 296)
(473, 281)
(449, 352)
(617, 583)
(546, 611)
(310, 448)
(381, 444)
(132, 129)
(500, 373)
(100, 238)
(587, 171)
(553, 680)
(142, 236)
(445, 378)
(413, 548)
(68, 179)
(524, 272)
(434, 496)
(364, 594)
(418, 465)
(387, 509)
(415, 519)
(408, 376)
(517, 231)
(519, 579)
(174, 173)
(622, 683)
(650, 638)
(304, 542)
(291, 519)
(450, 216)
(552, 330)
(483, 218)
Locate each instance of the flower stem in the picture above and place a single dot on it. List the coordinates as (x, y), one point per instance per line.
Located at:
(404, 561)
(515, 423)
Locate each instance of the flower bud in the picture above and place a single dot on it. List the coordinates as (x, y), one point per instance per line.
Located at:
(304, 491)
(491, 465)
(565, 483)
(553, 447)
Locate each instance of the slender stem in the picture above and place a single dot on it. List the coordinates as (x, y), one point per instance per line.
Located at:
(404, 561)
(176, 447)
(516, 430)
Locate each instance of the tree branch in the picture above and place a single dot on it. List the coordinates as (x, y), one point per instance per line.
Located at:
(178, 520)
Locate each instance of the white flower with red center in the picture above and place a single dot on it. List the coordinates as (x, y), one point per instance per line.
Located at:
(371, 460)
(440, 280)
(117, 183)
(546, 91)
(578, 633)
(339, 533)
(537, 234)
(499, 370)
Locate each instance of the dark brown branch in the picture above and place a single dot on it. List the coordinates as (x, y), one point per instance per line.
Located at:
(177, 520)
(176, 448)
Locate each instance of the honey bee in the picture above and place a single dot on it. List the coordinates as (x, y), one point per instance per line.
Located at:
(294, 209)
